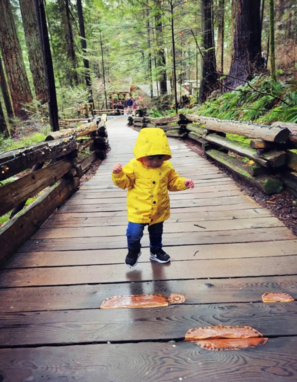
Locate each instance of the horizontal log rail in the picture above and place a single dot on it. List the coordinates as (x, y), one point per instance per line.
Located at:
(57, 167)
(268, 162)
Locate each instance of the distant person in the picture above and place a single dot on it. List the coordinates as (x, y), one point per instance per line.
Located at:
(129, 104)
(134, 106)
(120, 105)
(148, 177)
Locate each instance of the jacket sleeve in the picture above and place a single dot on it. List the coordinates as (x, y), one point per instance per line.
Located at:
(125, 179)
(175, 182)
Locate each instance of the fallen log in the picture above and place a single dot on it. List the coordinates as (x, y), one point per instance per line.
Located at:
(14, 161)
(292, 159)
(23, 225)
(259, 144)
(176, 134)
(269, 159)
(77, 131)
(165, 120)
(293, 130)
(199, 131)
(268, 133)
(266, 184)
(20, 190)
(290, 181)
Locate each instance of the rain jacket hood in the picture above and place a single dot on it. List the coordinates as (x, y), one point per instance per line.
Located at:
(151, 141)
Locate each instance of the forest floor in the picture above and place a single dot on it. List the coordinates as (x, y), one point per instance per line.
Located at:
(283, 205)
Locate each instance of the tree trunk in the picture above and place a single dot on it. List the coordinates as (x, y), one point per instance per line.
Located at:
(13, 60)
(247, 58)
(84, 48)
(34, 49)
(221, 27)
(5, 92)
(271, 39)
(161, 59)
(70, 44)
(70, 64)
(3, 125)
(49, 70)
(103, 69)
(150, 71)
(209, 73)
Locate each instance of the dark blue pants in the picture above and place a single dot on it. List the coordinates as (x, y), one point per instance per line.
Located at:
(135, 233)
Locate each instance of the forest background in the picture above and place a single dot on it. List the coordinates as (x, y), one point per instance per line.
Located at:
(99, 46)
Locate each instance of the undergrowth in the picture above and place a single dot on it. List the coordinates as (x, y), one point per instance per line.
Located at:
(261, 101)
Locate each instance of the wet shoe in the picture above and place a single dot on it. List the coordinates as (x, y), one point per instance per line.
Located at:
(132, 258)
(159, 256)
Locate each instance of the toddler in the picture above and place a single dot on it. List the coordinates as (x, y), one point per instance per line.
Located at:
(148, 177)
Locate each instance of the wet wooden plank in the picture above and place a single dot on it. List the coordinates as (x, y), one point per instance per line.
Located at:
(151, 362)
(185, 227)
(101, 206)
(172, 239)
(227, 212)
(117, 256)
(214, 291)
(176, 270)
(165, 323)
(87, 220)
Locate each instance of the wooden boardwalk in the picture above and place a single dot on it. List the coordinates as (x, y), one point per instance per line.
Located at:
(226, 251)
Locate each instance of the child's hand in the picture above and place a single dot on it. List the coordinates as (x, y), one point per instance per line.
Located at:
(189, 183)
(117, 168)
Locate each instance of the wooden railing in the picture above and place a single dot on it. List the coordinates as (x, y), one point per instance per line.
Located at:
(56, 168)
(268, 162)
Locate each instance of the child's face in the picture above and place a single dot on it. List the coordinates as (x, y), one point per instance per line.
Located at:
(153, 161)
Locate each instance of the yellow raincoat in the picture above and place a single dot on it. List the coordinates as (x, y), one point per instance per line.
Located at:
(148, 199)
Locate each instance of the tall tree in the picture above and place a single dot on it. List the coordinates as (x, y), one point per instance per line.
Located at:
(149, 59)
(34, 49)
(209, 72)
(271, 39)
(13, 60)
(161, 58)
(49, 70)
(83, 42)
(221, 29)
(3, 125)
(5, 92)
(71, 62)
(247, 58)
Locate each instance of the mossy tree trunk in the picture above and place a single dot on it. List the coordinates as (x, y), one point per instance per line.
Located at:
(161, 58)
(13, 60)
(83, 42)
(221, 30)
(34, 49)
(247, 59)
(209, 72)
(5, 92)
(49, 70)
(3, 125)
(271, 40)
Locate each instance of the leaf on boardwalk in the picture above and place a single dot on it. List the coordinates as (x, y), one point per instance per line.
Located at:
(176, 298)
(217, 338)
(276, 297)
(134, 301)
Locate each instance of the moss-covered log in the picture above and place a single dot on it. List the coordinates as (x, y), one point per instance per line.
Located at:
(272, 134)
(267, 184)
(14, 161)
(259, 144)
(165, 120)
(290, 182)
(79, 131)
(292, 159)
(23, 225)
(199, 131)
(269, 159)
